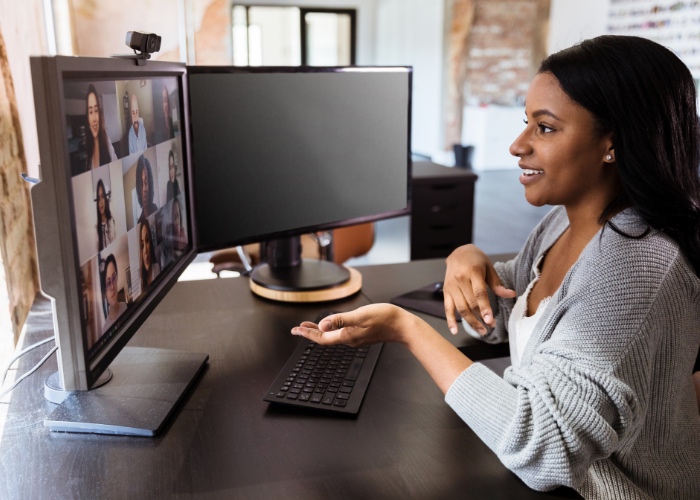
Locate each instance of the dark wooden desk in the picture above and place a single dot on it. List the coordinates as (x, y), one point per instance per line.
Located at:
(227, 443)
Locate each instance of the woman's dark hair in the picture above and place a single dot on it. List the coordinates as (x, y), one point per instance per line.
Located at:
(144, 163)
(102, 138)
(144, 272)
(642, 93)
(108, 212)
(171, 154)
(103, 275)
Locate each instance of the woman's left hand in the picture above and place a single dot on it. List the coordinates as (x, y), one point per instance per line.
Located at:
(370, 324)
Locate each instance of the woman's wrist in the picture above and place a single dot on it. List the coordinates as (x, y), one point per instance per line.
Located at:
(411, 328)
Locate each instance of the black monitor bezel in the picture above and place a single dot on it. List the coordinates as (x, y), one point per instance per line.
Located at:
(88, 366)
(333, 224)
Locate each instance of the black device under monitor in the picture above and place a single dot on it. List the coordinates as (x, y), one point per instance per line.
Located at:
(283, 151)
(114, 226)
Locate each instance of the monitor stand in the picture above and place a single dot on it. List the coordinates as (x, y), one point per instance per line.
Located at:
(286, 277)
(146, 387)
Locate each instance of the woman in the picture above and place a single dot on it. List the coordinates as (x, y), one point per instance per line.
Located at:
(144, 188)
(169, 129)
(173, 188)
(99, 150)
(106, 227)
(110, 278)
(147, 255)
(606, 325)
(179, 238)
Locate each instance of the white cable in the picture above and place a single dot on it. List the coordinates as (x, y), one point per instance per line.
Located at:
(22, 353)
(244, 258)
(43, 360)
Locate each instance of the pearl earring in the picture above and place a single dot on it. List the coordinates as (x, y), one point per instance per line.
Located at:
(609, 157)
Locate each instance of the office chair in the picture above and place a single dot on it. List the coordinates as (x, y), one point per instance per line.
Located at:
(337, 245)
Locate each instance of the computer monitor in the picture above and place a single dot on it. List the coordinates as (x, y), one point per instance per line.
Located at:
(282, 151)
(122, 206)
(114, 230)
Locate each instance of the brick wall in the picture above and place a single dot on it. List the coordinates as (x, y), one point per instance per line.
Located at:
(16, 228)
(500, 55)
(495, 47)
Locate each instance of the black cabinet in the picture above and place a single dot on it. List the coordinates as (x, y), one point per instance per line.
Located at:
(443, 209)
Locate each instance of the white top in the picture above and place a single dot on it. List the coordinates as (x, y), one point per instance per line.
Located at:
(520, 326)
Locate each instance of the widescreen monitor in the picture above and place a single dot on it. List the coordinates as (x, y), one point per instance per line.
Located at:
(282, 151)
(112, 212)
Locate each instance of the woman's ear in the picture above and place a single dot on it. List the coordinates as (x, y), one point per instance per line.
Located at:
(609, 148)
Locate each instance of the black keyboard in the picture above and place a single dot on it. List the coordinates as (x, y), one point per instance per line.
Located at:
(333, 378)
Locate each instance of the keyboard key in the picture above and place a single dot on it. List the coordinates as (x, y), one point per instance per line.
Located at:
(346, 390)
(304, 397)
(328, 398)
(340, 402)
(354, 369)
(292, 396)
(316, 398)
(342, 395)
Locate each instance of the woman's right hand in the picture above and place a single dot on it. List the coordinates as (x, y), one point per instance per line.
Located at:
(468, 276)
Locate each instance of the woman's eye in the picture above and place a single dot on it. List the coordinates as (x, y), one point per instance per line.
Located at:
(545, 129)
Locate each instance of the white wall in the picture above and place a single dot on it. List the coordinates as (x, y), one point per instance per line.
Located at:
(22, 26)
(411, 32)
(571, 21)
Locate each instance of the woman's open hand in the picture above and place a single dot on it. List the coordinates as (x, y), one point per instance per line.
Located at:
(367, 325)
(468, 276)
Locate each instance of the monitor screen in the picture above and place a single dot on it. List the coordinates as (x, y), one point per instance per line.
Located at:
(284, 151)
(112, 210)
(127, 174)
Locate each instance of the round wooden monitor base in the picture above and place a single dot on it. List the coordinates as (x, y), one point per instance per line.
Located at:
(350, 287)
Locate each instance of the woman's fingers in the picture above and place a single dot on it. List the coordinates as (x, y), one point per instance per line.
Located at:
(450, 313)
(460, 299)
(479, 302)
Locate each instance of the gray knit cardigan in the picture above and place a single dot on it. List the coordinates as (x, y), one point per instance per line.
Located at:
(603, 401)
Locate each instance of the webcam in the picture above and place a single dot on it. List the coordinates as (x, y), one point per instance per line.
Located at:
(143, 44)
(146, 43)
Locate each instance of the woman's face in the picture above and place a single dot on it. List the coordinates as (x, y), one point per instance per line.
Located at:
(101, 200)
(561, 152)
(145, 248)
(171, 168)
(111, 284)
(144, 187)
(93, 115)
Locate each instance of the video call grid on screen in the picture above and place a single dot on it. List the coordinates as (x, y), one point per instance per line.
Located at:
(126, 163)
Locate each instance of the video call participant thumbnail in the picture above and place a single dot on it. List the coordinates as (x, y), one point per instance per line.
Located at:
(106, 227)
(99, 149)
(144, 188)
(137, 132)
(148, 265)
(110, 287)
